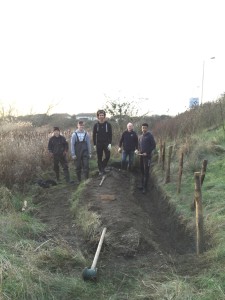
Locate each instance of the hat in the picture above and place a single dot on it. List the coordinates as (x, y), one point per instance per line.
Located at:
(56, 128)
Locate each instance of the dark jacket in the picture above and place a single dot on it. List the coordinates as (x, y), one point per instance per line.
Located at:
(102, 133)
(129, 140)
(58, 145)
(146, 143)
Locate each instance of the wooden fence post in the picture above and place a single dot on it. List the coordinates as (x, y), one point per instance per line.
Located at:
(203, 171)
(199, 214)
(163, 155)
(168, 165)
(160, 151)
(180, 172)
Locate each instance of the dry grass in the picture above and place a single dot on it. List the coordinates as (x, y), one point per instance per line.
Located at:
(23, 153)
(88, 221)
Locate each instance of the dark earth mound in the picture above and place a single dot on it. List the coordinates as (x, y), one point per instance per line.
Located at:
(143, 230)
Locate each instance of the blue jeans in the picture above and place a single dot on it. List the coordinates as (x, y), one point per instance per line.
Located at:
(130, 155)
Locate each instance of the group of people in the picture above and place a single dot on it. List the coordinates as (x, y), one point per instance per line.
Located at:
(80, 148)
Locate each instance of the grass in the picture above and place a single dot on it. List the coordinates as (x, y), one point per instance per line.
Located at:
(88, 221)
(31, 269)
(209, 285)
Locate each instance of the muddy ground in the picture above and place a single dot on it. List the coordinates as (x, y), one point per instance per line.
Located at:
(143, 231)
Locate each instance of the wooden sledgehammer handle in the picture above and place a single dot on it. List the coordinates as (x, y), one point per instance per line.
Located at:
(103, 178)
(98, 249)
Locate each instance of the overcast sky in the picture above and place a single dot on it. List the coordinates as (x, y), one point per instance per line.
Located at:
(73, 55)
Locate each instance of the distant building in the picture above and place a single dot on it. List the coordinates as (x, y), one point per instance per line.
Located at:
(193, 102)
(66, 116)
(86, 116)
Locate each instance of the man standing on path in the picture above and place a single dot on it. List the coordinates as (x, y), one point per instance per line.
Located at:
(129, 141)
(102, 140)
(58, 148)
(146, 144)
(81, 150)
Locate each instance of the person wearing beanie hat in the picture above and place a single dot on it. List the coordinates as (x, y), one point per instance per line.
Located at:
(58, 148)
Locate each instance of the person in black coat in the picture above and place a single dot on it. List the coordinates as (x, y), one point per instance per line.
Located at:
(146, 144)
(58, 148)
(129, 143)
(102, 140)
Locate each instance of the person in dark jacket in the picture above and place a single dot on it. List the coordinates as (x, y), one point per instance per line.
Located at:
(129, 142)
(81, 150)
(146, 144)
(58, 148)
(102, 140)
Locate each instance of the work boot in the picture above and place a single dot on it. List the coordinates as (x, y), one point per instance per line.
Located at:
(145, 182)
(78, 177)
(140, 187)
(86, 175)
(67, 175)
(131, 167)
(57, 176)
(123, 165)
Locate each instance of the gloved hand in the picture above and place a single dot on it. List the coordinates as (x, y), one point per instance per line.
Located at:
(119, 150)
(89, 155)
(74, 157)
(94, 148)
(109, 147)
(136, 152)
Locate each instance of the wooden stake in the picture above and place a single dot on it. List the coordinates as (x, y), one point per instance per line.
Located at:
(163, 156)
(160, 151)
(199, 214)
(168, 165)
(180, 172)
(203, 171)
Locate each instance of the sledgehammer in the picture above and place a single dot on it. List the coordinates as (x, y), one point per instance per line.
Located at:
(91, 273)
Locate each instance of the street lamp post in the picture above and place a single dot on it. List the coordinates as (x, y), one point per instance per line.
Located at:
(203, 75)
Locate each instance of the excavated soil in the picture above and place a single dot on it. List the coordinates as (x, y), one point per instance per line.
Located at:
(143, 230)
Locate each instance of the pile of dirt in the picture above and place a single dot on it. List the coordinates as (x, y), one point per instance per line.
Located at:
(140, 227)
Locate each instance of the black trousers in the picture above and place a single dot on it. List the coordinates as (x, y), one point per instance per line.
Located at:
(144, 167)
(102, 149)
(61, 159)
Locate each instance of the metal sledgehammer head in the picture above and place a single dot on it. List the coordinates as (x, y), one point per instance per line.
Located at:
(91, 273)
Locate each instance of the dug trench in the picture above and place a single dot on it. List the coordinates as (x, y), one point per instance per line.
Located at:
(144, 232)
